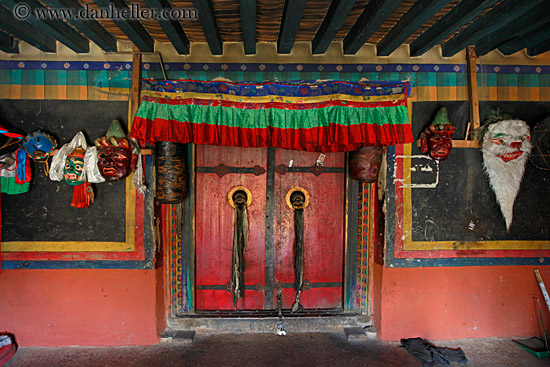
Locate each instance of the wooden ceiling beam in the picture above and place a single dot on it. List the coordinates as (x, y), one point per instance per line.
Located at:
(539, 48)
(248, 10)
(8, 44)
(26, 32)
(55, 28)
(413, 19)
(374, 15)
(132, 28)
(292, 16)
(209, 25)
(463, 13)
(542, 34)
(90, 28)
(522, 27)
(498, 18)
(335, 17)
(172, 27)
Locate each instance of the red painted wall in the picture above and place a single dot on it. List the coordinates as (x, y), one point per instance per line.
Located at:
(463, 302)
(81, 307)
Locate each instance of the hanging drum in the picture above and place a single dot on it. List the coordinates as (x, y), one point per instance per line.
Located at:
(364, 163)
(170, 172)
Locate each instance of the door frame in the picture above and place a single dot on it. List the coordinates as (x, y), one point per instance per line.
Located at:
(178, 239)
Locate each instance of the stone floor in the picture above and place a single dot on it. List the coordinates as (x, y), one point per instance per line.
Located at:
(302, 349)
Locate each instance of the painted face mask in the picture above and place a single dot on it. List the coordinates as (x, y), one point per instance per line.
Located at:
(437, 139)
(116, 155)
(74, 167)
(506, 146)
(364, 164)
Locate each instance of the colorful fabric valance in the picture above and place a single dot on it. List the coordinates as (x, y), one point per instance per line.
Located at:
(331, 116)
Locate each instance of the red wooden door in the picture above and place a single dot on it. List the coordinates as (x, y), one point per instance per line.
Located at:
(269, 258)
(323, 229)
(216, 176)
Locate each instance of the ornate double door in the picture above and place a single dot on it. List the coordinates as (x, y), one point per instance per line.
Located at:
(269, 176)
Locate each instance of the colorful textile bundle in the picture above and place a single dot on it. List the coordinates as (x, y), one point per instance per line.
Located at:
(330, 116)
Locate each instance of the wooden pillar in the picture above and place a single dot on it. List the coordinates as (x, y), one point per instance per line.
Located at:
(472, 87)
(473, 101)
(136, 84)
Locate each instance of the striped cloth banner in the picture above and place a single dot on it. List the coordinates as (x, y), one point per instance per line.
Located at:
(331, 116)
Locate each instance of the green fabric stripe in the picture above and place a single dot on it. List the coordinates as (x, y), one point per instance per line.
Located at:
(5, 77)
(487, 80)
(284, 119)
(50, 77)
(39, 77)
(528, 81)
(27, 77)
(446, 79)
(62, 77)
(544, 80)
(426, 79)
(507, 80)
(16, 77)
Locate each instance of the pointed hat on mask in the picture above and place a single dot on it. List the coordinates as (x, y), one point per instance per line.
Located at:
(115, 130)
(442, 118)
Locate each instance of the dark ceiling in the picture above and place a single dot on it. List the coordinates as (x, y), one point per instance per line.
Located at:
(506, 25)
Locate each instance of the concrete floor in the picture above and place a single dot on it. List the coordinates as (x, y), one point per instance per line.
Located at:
(304, 349)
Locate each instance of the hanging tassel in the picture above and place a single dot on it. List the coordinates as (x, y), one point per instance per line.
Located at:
(83, 195)
(240, 239)
(297, 199)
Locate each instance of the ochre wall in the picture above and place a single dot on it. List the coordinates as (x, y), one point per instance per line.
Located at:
(80, 307)
(459, 302)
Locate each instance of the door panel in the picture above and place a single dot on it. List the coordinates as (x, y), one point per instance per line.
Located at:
(214, 229)
(323, 233)
(323, 230)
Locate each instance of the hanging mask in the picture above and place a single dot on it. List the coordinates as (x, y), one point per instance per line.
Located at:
(437, 139)
(364, 164)
(505, 146)
(39, 145)
(74, 167)
(116, 154)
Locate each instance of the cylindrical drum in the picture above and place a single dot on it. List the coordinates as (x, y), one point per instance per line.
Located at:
(170, 172)
(364, 163)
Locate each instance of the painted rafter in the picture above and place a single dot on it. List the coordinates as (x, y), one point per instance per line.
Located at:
(413, 19)
(522, 27)
(498, 18)
(463, 13)
(542, 34)
(90, 27)
(132, 28)
(209, 25)
(8, 44)
(292, 16)
(375, 14)
(248, 9)
(171, 27)
(25, 32)
(335, 17)
(55, 28)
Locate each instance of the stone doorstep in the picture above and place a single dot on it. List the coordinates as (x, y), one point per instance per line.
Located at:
(177, 336)
(268, 324)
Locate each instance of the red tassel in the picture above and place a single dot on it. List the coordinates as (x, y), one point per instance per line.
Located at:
(83, 195)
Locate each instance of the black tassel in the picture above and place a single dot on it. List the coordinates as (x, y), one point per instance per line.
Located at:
(240, 238)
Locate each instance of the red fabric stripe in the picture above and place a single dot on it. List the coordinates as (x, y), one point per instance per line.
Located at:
(276, 105)
(333, 138)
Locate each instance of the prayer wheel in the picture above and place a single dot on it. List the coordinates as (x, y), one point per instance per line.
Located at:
(171, 182)
(364, 163)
